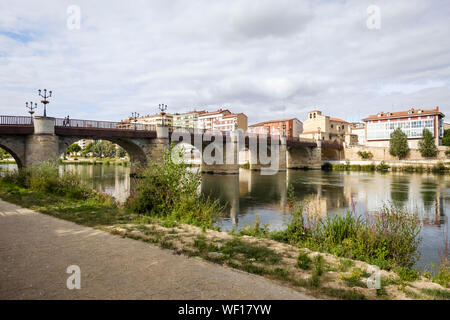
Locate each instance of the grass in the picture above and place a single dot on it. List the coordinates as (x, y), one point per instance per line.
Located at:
(344, 294)
(303, 261)
(354, 278)
(437, 293)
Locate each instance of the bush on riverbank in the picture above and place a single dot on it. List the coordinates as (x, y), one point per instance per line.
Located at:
(45, 178)
(171, 190)
(388, 238)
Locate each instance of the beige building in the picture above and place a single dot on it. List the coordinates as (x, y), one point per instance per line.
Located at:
(319, 126)
(156, 119)
(187, 119)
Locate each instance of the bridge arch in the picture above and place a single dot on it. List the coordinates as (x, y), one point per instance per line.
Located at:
(298, 157)
(135, 149)
(16, 148)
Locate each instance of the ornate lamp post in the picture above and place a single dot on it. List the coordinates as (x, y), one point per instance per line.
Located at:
(162, 107)
(135, 116)
(45, 101)
(31, 111)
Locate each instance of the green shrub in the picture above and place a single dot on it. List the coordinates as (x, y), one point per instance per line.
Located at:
(383, 167)
(443, 275)
(387, 238)
(45, 178)
(303, 261)
(365, 155)
(171, 189)
(439, 167)
(327, 166)
(368, 167)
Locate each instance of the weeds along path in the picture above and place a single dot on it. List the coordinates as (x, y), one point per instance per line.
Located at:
(36, 250)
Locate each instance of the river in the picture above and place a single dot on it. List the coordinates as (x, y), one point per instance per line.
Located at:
(251, 194)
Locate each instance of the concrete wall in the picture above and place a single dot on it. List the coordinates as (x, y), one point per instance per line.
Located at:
(382, 153)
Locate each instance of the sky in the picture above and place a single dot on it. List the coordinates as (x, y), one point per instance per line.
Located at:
(268, 59)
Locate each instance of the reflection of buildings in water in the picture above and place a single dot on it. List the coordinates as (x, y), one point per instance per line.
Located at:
(418, 193)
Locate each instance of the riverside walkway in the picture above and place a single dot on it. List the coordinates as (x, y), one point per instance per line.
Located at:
(36, 249)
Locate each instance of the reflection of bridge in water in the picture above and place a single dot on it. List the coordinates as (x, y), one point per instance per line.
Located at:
(34, 140)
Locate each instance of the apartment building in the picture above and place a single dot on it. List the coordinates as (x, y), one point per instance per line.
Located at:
(187, 119)
(327, 128)
(232, 122)
(292, 127)
(412, 122)
(359, 129)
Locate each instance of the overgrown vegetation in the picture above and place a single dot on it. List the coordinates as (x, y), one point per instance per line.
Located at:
(170, 190)
(388, 238)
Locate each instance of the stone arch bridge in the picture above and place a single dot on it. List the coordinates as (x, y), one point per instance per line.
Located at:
(34, 140)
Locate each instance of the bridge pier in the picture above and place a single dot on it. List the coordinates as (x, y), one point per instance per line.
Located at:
(43, 145)
(222, 156)
(158, 147)
(304, 157)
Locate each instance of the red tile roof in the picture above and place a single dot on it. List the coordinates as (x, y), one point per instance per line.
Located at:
(338, 120)
(214, 112)
(271, 121)
(403, 114)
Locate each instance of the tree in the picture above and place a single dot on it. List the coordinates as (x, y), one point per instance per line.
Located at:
(104, 149)
(73, 148)
(4, 154)
(427, 146)
(446, 138)
(398, 144)
(120, 152)
(87, 149)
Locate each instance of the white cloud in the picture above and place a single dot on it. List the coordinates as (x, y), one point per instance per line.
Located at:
(269, 59)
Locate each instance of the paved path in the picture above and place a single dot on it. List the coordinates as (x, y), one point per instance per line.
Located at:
(36, 249)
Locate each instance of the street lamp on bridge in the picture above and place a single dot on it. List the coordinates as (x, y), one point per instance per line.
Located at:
(31, 109)
(162, 107)
(135, 116)
(45, 101)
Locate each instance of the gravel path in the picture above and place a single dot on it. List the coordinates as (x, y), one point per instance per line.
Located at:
(36, 249)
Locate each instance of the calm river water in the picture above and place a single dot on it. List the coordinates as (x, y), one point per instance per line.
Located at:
(250, 194)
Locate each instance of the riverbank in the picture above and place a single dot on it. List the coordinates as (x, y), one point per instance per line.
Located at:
(96, 161)
(328, 276)
(439, 167)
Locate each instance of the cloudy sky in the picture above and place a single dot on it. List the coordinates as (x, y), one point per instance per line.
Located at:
(268, 59)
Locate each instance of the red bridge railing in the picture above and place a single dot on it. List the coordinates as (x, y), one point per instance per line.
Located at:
(15, 120)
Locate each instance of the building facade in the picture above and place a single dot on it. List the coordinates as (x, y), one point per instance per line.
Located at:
(359, 129)
(187, 119)
(319, 126)
(208, 120)
(412, 122)
(232, 122)
(293, 127)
